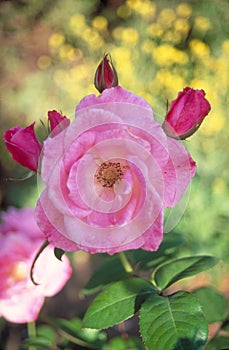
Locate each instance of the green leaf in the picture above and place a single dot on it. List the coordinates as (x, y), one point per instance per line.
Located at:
(124, 344)
(175, 322)
(176, 270)
(72, 330)
(111, 271)
(147, 260)
(39, 342)
(117, 303)
(44, 339)
(214, 304)
(220, 342)
(58, 253)
(47, 333)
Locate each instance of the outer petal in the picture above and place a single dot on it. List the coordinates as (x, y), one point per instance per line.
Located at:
(150, 240)
(177, 173)
(50, 229)
(116, 94)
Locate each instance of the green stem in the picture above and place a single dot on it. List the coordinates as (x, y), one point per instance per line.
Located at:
(31, 327)
(125, 263)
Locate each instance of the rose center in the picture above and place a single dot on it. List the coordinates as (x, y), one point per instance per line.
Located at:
(109, 172)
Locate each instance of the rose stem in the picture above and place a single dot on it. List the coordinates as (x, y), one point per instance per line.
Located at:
(31, 327)
(125, 262)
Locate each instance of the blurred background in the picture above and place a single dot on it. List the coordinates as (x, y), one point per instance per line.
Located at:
(50, 51)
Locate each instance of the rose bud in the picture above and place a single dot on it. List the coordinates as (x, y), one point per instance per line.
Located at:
(24, 146)
(186, 113)
(57, 122)
(105, 75)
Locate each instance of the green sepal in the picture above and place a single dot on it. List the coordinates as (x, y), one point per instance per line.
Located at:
(44, 245)
(58, 253)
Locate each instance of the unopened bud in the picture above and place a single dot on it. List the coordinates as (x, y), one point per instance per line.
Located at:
(105, 75)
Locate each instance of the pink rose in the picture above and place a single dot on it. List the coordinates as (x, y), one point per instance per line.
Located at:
(57, 122)
(24, 146)
(105, 75)
(186, 113)
(20, 240)
(109, 176)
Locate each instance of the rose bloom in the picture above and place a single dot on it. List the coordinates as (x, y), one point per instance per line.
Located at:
(20, 240)
(109, 175)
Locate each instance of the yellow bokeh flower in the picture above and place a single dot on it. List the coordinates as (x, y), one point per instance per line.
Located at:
(117, 33)
(130, 36)
(100, 23)
(145, 8)
(225, 46)
(199, 48)
(182, 26)
(124, 11)
(155, 30)
(184, 10)
(56, 40)
(172, 37)
(121, 56)
(92, 38)
(214, 123)
(202, 23)
(169, 80)
(124, 62)
(77, 23)
(166, 17)
(166, 55)
(67, 52)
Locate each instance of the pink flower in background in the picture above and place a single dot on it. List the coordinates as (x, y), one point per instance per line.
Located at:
(24, 146)
(186, 113)
(57, 122)
(20, 240)
(109, 175)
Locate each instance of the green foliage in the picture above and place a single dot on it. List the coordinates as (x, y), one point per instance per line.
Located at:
(44, 339)
(148, 260)
(221, 342)
(214, 304)
(117, 303)
(124, 344)
(175, 322)
(176, 270)
(111, 271)
(73, 331)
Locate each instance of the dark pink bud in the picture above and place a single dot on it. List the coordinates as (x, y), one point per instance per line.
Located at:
(57, 122)
(105, 75)
(186, 113)
(24, 146)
